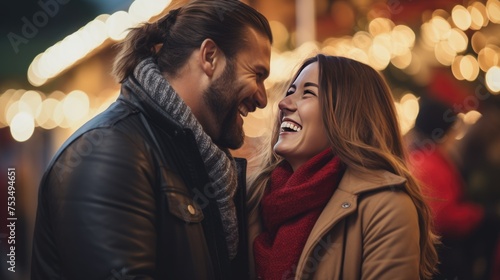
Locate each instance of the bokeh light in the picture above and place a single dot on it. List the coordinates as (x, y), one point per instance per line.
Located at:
(22, 126)
(461, 17)
(493, 79)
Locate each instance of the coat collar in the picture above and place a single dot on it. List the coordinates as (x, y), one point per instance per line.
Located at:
(356, 183)
(344, 202)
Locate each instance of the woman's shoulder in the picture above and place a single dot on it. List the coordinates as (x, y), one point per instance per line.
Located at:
(392, 205)
(359, 183)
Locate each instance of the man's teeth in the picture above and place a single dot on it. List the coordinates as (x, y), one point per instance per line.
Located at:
(243, 111)
(291, 126)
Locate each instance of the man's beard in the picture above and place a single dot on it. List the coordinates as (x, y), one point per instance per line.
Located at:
(222, 99)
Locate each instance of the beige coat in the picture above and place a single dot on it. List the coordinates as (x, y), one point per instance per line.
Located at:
(368, 230)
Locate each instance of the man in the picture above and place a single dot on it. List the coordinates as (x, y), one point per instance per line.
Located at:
(146, 190)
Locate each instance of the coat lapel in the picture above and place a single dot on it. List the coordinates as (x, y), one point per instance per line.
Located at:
(343, 202)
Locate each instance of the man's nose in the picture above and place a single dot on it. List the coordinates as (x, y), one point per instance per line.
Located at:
(261, 97)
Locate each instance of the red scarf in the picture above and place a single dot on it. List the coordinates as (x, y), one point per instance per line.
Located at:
(290, 207)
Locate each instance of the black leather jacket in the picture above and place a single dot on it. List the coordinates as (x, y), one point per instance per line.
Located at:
(126, 198)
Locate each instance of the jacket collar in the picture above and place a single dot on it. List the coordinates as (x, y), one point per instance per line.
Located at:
(133, 94)
(356, 183)
(344, 202)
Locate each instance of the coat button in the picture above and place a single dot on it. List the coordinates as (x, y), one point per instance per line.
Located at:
(191, 209)
(346, 205)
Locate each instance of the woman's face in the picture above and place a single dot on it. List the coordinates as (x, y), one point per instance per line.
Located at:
(302, 135)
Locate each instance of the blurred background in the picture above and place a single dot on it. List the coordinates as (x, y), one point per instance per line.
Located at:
(57, 57)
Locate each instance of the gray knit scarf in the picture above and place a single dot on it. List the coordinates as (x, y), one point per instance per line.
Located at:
(219, 163)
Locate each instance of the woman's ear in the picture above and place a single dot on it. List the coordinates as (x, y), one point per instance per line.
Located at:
(211, 57)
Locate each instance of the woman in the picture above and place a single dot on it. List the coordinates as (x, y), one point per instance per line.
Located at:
(334, 198)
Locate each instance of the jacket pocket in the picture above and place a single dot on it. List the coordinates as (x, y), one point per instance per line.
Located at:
(180, 204)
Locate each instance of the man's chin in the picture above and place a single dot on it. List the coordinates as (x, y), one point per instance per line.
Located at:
(231, 141)
(232, 144)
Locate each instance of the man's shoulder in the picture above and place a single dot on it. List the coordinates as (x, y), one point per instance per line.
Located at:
(116, 125)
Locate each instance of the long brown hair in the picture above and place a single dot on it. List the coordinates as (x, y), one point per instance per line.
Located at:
(183, 30)
(360, 119)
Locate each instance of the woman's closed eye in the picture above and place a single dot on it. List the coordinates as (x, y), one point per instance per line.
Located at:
(309, 92)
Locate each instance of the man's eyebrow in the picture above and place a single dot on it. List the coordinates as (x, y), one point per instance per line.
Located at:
(309, 84)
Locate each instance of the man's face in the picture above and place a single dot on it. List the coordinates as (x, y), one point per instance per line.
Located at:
(239, 90)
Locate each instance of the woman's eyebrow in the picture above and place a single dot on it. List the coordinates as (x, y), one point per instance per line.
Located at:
(309, 84)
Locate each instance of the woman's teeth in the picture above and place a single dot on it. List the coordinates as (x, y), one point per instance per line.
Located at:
(290, 126)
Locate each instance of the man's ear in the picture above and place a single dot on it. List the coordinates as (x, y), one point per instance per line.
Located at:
(211, 57)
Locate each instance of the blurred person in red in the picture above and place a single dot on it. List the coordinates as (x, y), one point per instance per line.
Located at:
(456, 219)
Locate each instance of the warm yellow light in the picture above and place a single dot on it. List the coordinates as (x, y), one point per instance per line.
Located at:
(410, 109)
(457, 40)
(328, 50)
(34, 76)
(362, 40)
(404, 35)
(472, 117)
(405, 123)
(74, 50)
(461, 17)
(94, 34)
(455, 67)
(430, 34)
(11, 109)
(280, 34)
(58, 114)
(493, 79)
(306, 50)
(139, 10)
(58, 95)
(22, 126)
(77, 45)
(32, 99)
(407, 96)
(378, 56)
(481, 8)
(493, 8)
(44, 115)
(469, 67)
(444, 53)
(4, 102)
(442, 26)
(76, 106)
(402, 61)
(477, 18)
(408, 106)
(118, 24)
(380, 26)
(478, 41)
(384, 40)
(358, 55)
(143, 10)
(339, 46)
(488, 57)
(440, 13)
(280, 67)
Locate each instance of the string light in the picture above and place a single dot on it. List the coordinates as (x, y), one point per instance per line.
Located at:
(79, 44)
(383, 43)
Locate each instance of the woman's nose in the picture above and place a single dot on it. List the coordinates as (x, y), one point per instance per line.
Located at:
(287, 103)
